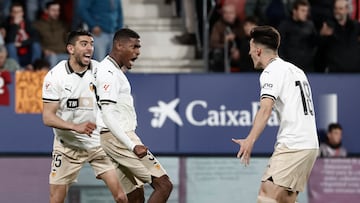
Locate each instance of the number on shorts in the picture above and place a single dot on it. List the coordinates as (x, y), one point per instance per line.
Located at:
(57, 160)
(305, 97)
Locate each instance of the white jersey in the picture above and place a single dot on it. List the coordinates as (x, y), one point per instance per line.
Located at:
(76, 96)
(289, 87)
(113, 87)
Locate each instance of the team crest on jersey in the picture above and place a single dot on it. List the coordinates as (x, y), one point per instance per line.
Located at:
(92, 87)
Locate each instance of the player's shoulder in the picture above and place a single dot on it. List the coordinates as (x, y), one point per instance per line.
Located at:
(60, 65)
(58, 70)
(105, 66)
(94, 63)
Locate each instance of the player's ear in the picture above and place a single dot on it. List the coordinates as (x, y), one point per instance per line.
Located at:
(258, 51)
(70, 48)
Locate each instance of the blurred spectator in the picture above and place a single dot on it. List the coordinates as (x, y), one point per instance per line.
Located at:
(298, 37)
(34, 8)
(103, 18)
(239, 5)
(246, 64)
(190, 17)
(321, 11)
(5, 78)
(339, 49)
(4, 9)
(69, 15)
(20, 37)
(1, 36)
(41, 65)
(224, 38)
(355, 12)
(6, 63)
(332, 146)
(269, 12)
(52, 32)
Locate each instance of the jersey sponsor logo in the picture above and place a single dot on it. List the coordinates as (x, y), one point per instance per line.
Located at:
(267, 86)
(84, 102)
(106, 87)
(72, 103)
(164, 111)
(194, 114)
(47, 85)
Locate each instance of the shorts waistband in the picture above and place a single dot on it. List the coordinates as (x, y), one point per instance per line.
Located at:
(104, 131)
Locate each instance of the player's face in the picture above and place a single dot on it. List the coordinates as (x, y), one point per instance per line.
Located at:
(83, 50)
(130, 52)
(255, 54)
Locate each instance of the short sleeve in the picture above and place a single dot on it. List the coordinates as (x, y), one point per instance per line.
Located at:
(106, 86)
(270, 82)
(50, 89)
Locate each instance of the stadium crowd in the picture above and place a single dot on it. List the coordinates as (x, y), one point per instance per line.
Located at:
(317, 35)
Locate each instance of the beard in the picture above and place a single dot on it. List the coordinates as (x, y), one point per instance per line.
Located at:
(79, 61)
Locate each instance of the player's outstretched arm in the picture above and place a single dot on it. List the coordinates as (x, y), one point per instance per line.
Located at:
(260, 121)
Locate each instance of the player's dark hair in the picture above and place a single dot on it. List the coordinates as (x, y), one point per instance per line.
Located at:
(334, 126)
(267, 36)
(73, 36)
(125, 34)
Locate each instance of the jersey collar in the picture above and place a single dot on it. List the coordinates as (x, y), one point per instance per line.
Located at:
(114, 62)
(70, 70)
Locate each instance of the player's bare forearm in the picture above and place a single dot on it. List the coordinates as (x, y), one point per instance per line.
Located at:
(261, 119)
(52, 120)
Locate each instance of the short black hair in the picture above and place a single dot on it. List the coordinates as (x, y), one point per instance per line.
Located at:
(73, 35)
(267, 36)
(333, 126)
(125, 34)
